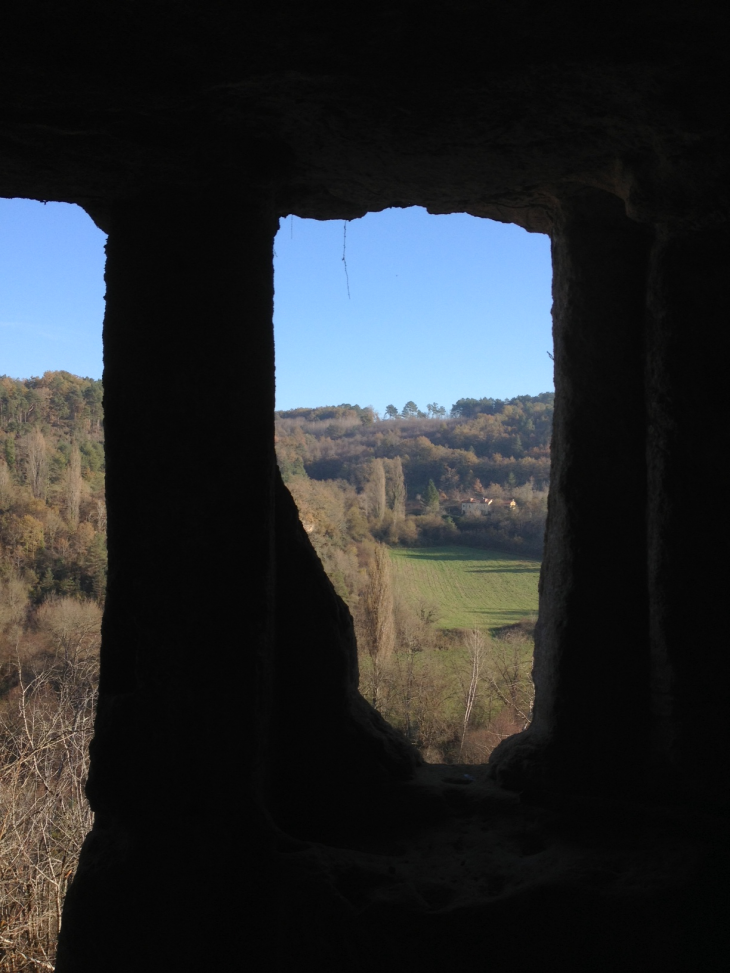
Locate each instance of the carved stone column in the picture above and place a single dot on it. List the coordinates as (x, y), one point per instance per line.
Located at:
(689, 515)
(188, 352)
(591, 659)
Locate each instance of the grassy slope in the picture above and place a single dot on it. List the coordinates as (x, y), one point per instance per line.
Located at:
(473, 588)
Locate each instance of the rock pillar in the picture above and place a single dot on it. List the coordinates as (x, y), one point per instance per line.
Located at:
(591, 659)
(689, 304)
(188, 352)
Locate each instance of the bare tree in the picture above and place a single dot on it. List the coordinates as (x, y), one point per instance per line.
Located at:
(410, 632)
(6, 484)
(428, 611)
(475, 645)
(44, 816)
(35, 454)
(52, 527)
(376, 491)
(73, 487)
(397, 491)
(72, 627)
(509, 674)
(100, 504)
(13, 600)
(379, 626)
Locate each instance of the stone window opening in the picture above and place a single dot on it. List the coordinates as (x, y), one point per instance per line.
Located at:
(471, 739)
(240, 787)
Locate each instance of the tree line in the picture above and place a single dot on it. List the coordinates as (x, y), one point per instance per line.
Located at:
(52, 590)
(403, 481)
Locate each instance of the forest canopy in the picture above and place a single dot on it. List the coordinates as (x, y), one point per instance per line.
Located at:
(52, 501)
(404, 480)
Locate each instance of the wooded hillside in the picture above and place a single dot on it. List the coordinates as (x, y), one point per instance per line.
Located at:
(358, 479)
(52, 508)
(52, 588)
(486, 442)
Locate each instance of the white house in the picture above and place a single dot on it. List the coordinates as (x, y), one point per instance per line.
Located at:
(480, 508)
(475, 508)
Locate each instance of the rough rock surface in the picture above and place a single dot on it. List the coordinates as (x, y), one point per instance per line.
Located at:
(262, 809)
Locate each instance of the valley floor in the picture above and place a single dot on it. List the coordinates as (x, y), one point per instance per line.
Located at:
(473, 588)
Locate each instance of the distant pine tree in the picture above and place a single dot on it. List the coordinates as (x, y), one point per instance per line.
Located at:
(432, 496)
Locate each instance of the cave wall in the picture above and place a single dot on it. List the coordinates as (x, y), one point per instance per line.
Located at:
(630, 674)
(690, 670)
(186, 132)
(592, 638)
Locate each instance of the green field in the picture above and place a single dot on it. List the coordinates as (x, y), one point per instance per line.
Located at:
(473, 588)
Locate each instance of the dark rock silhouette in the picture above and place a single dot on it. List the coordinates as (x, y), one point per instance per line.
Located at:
(249, 806)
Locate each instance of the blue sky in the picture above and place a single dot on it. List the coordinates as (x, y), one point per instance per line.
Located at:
(51, 289)
(439, 307)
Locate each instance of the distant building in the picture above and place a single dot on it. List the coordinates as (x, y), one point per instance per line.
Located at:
(475, 508)
(480, 508)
